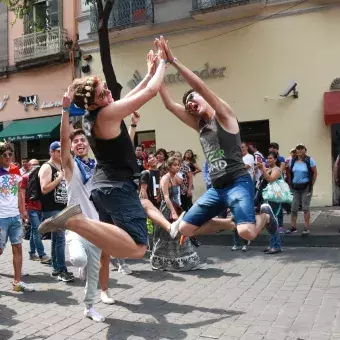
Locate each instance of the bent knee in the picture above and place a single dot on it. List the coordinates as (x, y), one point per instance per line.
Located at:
(247, 231)
(139, 252)
(187, 229)
(79, 261)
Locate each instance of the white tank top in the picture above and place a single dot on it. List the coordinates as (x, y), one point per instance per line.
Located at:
(79, 193)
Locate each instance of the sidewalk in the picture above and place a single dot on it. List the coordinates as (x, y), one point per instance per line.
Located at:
(240, 296)
(325, 231)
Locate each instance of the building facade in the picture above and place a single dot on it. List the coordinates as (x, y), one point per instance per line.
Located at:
(249, 53)
(37, 67)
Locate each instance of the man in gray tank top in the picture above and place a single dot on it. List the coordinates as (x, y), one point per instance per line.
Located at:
(219, 134)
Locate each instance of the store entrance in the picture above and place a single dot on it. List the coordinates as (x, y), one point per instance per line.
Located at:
(335, 130)
(39, 149)
(257, 132)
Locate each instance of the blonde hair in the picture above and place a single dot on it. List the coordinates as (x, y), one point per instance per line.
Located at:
(84, 91)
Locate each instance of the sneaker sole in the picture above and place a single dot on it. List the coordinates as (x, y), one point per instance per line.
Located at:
(58, 221)
(266, 209)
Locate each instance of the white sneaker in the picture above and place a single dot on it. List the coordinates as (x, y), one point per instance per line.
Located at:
(83, 273)
(124, 269)
(245, 248)
(175, 226)
(23, 287)
(234, 248)
(94, 315)
(106, 297)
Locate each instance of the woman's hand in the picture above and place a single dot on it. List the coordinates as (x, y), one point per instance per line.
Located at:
(160, 50)
(151, 61)
(135, 117)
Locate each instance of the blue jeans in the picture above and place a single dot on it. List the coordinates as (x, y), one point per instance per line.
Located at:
(275, 241)
(238, 196)
(36, 244)
(10, 228)
(57, 246)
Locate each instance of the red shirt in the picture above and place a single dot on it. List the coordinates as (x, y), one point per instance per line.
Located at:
(29, 205)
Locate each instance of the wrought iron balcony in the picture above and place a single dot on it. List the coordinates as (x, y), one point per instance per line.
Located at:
(219, 4)
(41, 44)
(126, 13)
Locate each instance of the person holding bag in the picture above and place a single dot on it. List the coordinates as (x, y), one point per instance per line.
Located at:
(275, 192)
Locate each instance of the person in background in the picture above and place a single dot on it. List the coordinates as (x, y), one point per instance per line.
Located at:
(162, 157)
(206, 176)
(11, 213)
(270, 175)
(248, 160)
(190, 160)
(258, 160)
(302, 174)
(25, 167)
(33, 211)
(139, 156)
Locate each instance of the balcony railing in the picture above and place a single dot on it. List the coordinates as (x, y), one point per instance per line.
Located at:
(41, 44)
(126, 13)
(216, 4)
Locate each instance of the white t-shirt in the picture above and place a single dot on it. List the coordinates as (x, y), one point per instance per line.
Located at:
(9, 190)
(258, 158)
(248, 159)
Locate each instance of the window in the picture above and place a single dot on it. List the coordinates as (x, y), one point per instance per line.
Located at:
(44, 14)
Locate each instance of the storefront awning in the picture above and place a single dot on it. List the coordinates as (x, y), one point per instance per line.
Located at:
(332, 107)
(28, 129)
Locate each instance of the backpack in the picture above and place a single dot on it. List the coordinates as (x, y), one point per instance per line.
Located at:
(33, 186)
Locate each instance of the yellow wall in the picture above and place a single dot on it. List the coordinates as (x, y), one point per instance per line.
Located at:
(261, 60)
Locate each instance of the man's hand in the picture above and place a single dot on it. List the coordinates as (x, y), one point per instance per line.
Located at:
(189, 193)
(24, 216)
(161, 49)
(67, 98)
(165, 46)
(135, 117)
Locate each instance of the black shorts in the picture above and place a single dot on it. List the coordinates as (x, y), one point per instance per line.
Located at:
(120, 205)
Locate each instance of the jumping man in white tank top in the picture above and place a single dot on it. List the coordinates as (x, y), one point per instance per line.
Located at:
(78, 173)
(219, 134)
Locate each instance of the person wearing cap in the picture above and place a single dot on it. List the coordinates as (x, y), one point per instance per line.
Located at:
(301, 176)
(54, 200)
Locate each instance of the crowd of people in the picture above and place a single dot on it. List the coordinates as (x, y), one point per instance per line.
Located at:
(99, 207)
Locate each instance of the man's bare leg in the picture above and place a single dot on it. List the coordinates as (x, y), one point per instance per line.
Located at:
(110, 238)
(249, 231)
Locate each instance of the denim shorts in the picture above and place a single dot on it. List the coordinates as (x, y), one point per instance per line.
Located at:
(121, 206)
(238, 197)
(11, 228)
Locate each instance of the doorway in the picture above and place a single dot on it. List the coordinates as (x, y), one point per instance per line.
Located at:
(258, 132)
(147, 139)
(335, 133)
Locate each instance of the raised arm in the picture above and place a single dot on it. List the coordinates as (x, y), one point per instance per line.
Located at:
(120, 109)
(65, 142)
(177, 109)
(133, 126)
(152, 66)
(222, 109)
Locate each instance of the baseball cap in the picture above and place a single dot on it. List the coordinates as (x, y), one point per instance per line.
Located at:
(55, 146)
(300, 146)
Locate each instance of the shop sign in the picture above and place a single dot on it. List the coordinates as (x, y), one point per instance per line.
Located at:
(48, 105)
(206, 73)
(29, 100)
(3, 102)
(28, 137)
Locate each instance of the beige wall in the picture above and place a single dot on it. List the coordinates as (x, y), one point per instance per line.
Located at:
(261, 60)
(49, 83)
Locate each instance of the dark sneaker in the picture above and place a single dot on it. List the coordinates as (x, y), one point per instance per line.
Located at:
(195, 241)
(273, 224)
(291, 230)
(65, 277)
(55, 272)
(305, 231)
(58, 221)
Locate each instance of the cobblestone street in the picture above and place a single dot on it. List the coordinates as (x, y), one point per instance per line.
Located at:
(294, 295)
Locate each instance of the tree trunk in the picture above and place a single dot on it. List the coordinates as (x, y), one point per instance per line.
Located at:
(104, 46)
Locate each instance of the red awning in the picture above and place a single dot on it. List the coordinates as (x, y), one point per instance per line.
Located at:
(332, 107)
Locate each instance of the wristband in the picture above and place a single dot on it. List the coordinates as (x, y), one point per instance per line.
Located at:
(163, 61)
(173, 60)
(66, 109)
(133, 125)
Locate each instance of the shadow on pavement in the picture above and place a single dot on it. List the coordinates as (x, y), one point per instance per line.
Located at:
(162, 328)
(6, 319)
(210, 273)
(60, 297)
(156, 276)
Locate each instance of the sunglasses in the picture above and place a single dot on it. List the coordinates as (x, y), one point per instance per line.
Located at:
(190, 97)
(7, 155)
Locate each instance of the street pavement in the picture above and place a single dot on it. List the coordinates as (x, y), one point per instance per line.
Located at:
(240, 296)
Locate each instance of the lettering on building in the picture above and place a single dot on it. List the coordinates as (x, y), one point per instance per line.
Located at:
(206, 73)
(3, 102)
(48, 105)
(29, 100)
